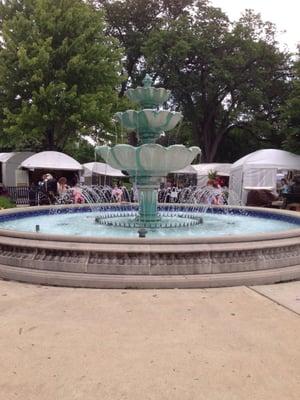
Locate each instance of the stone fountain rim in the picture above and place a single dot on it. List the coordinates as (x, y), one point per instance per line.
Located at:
(213, 241)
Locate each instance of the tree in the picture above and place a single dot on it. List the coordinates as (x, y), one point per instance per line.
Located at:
(58, 72)
(223, 75)
(291, 113)
(131, 22)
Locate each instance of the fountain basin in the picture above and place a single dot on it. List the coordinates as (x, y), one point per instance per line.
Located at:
(164, 262)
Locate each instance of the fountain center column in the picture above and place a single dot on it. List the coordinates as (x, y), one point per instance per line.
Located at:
(148, 192)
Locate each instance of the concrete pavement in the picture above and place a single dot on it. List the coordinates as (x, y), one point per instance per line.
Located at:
(196, 344)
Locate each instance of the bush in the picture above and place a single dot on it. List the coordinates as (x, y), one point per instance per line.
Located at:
(6, 202)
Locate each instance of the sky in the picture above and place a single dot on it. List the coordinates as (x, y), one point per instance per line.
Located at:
(285, 14)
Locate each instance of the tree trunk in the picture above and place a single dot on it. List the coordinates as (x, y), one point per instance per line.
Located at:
(132, 139)
(206, 138)
(50, 143)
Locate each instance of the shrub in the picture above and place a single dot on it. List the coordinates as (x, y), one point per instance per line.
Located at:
(6, 202)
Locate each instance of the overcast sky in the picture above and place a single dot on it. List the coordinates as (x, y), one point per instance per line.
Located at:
(285, 14)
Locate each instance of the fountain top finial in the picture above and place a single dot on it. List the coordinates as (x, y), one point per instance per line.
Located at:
(147, 81)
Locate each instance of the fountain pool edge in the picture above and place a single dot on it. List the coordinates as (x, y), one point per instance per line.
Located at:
(150, 263)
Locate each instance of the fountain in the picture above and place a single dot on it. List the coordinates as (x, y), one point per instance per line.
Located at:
(148, 163)
(149, 245)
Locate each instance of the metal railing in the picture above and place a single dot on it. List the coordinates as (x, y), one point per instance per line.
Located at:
(19, 194)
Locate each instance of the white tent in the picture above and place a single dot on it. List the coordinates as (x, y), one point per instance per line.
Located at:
(187, 170)
(99, 168)
(203, 170)
(51, 160)
(258, 171)
(10, 174)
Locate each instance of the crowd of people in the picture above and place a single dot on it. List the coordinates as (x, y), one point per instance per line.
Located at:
(287, 191)
(61, 191)
(65, 191)
(51, 191)
(290, 186)
(212, 193)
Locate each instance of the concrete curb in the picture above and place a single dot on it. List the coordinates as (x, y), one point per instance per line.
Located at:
(56, 278)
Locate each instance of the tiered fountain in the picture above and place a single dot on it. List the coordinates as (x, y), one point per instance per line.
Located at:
(240, 246)
(148, 163)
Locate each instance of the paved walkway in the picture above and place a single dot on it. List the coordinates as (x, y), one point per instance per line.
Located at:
(214, 344)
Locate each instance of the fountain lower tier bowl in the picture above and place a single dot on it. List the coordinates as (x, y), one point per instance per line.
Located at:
(148, 159)
(71, 249)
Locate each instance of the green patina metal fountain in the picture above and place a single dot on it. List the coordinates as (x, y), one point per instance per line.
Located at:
(148, 163)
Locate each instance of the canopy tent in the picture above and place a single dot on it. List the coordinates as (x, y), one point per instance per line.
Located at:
(10, 175)
(51, 160)
(187, 170)
(203, 170)
(100, 168)
(6, 156)
(258, 170)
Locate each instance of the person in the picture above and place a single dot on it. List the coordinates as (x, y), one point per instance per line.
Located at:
(135, 193)
(33, 194)
(174, 195)
(77, 195)
(212, 193)
(48, 189)
(51, 188)
(295, 187)
(117, 193)
(285, 188)
(62, 186)
(293, 196)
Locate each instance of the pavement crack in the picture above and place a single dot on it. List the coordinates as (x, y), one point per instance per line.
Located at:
(273, 300)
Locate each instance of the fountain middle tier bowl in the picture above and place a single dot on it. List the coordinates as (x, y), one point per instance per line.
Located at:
(148, 159)
(233, 246)
(148, 120)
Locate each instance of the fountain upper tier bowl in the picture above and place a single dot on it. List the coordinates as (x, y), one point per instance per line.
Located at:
(163, 262)
(148, 97)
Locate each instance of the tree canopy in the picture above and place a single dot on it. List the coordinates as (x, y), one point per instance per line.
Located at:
(131, 22)
(65, 65)
(222, 75)
(58, 72)
(291, 113)
(228, 78)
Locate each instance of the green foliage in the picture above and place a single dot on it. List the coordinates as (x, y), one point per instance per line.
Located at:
(291, 113)
(212, 174)
(58, 73)
(222, 75)
(5, 202)
(131, 22)
(81, 150)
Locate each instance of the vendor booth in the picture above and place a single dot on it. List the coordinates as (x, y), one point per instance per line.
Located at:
(258, 171)
(53, 162)
(98, 173)
(198, 173)
(10, 175)
(202, 170)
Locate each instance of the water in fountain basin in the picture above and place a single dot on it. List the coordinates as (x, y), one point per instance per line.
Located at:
(192, 213)
(198, 199)
(83, 224)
